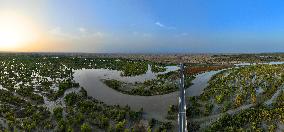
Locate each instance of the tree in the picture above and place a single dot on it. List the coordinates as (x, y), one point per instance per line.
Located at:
(238, 101)
(85, 128)
(152, 123)
(58, 113)
(119, 127)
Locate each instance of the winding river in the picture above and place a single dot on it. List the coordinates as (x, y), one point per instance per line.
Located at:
(153, 106)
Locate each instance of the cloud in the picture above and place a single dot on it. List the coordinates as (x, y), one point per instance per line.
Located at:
(59, 33)
(82, 33)
(78, 39)
(160, 24)
(164, 26)
(82, 29)
(98, 35)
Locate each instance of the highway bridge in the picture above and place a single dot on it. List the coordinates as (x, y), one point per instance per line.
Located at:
(182, 105)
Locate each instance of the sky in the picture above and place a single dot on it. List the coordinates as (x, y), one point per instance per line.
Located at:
(143, 26)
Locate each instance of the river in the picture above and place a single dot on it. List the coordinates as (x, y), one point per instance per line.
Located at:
(153, 106)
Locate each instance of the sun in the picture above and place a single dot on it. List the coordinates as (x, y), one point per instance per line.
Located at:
(15, 31)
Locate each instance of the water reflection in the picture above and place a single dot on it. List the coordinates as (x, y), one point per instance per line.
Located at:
(199, 83)
(153, 106)
(114, 74)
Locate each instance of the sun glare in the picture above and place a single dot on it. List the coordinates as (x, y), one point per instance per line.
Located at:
(15, 31)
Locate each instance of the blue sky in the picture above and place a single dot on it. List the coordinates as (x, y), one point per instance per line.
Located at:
(158, 26)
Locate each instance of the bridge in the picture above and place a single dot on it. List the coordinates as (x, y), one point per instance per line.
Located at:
(182, 105)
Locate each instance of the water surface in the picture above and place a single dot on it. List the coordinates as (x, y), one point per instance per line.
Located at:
(199, 83)
(153, 106)
(114, 74)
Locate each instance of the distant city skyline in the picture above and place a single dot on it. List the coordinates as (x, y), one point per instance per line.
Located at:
(142, 26)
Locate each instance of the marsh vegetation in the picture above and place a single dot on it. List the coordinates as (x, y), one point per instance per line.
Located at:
(163, 84)
(30, 82)
(246, 98)
(41, 93)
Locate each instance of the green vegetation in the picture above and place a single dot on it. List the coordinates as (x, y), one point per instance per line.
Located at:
(30, 82)
(172, 112)
(113, 84)
(169, 75)
(63, 86)
(157, 68)
(242, 94)
(245, 85)
(259, 118)
(128, 67)
(134, 68)
(58, 113)
(158, 86)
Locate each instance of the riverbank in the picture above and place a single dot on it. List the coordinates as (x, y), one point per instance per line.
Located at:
(153, 106)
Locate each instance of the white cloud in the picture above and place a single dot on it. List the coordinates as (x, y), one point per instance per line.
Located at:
(164, 26)
(160, 24)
